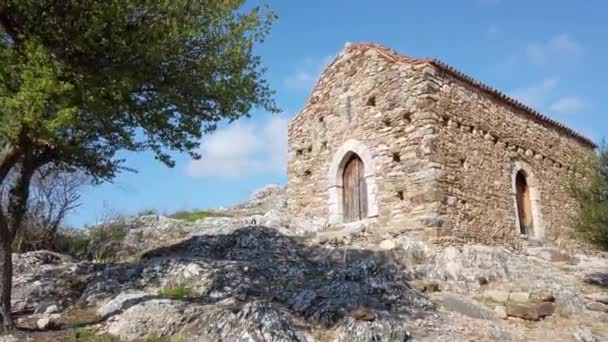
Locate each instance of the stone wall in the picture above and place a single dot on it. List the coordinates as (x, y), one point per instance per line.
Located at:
(365, 101)
(483, 143)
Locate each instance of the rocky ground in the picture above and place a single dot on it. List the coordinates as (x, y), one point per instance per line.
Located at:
(255, 274)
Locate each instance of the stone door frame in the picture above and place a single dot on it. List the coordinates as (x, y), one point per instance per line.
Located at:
(537, 217)
(334, 177)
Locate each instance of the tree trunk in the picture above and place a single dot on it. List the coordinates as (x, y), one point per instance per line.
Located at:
(9, 225)
(6, 277)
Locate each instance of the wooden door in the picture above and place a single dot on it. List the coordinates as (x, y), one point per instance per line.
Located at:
(355, 190)
(524, 204)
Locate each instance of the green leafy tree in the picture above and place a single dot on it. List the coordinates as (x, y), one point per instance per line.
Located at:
(592, 221)
(81, 80)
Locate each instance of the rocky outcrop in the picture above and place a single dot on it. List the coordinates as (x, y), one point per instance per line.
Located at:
(245, 282)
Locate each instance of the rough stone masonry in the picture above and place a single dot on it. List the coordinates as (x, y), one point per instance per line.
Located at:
(433, 149)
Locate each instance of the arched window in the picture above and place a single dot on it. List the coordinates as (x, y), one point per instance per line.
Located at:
(355, 190)
(524, 204)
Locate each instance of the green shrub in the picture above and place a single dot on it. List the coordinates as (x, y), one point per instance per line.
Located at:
(195, 215)
(592, 221)
(88, 335)
(157, 339)
(176, 291)
(101, 243)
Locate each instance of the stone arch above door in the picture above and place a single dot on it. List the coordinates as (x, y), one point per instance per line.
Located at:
(335, 179)
(523, 169)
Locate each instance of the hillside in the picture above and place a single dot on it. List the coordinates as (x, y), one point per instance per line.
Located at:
(252, 273)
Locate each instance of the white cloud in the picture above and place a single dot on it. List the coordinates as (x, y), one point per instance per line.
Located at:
(243, 149)
(559, 48)
(307, 72)
(538, 94)
(569, 104)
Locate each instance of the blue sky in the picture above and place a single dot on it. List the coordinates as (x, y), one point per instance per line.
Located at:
(549, 54)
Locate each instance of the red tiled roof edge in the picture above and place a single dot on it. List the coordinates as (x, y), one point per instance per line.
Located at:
(397, 57)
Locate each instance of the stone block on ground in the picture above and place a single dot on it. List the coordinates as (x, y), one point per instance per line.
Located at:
(530, 311)
(519, 297)
(496, 296)
(524, 311)
(545, 309)
(541, 295)
(501, 311)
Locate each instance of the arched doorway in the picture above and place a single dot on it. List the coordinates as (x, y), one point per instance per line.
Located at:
(524, 204)
(355, 190)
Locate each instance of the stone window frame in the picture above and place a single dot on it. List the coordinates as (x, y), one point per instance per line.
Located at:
(334, 177)
(535, 199)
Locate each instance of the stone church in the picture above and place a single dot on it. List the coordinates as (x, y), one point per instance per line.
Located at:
(405, 144)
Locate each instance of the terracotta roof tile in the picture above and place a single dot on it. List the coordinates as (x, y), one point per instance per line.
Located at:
(534, 114)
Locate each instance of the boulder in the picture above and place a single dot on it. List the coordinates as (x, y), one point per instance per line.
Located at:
(156, 317)
(48, 321)
(387, 245)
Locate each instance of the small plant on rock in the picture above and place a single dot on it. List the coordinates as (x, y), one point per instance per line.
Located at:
(175, 291)
(88, 335)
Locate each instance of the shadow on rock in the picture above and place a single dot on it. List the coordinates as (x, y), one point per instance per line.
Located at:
(598, 279)
(321, 284)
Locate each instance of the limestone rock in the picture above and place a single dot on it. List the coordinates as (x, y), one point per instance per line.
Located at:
(568, 304)
(51, 309)
(465, 306)
(597, 306)
(496, 296)
(387, 245)
(501, 311)
(541, 295)
(121, 302)
(156, 317)
(519, 297)
(254, 322)
(598, 297)
(47, 321)
(379, 330)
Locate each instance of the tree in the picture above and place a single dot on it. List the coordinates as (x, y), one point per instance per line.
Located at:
(81, 80)
(592, 220)
(53, 194)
